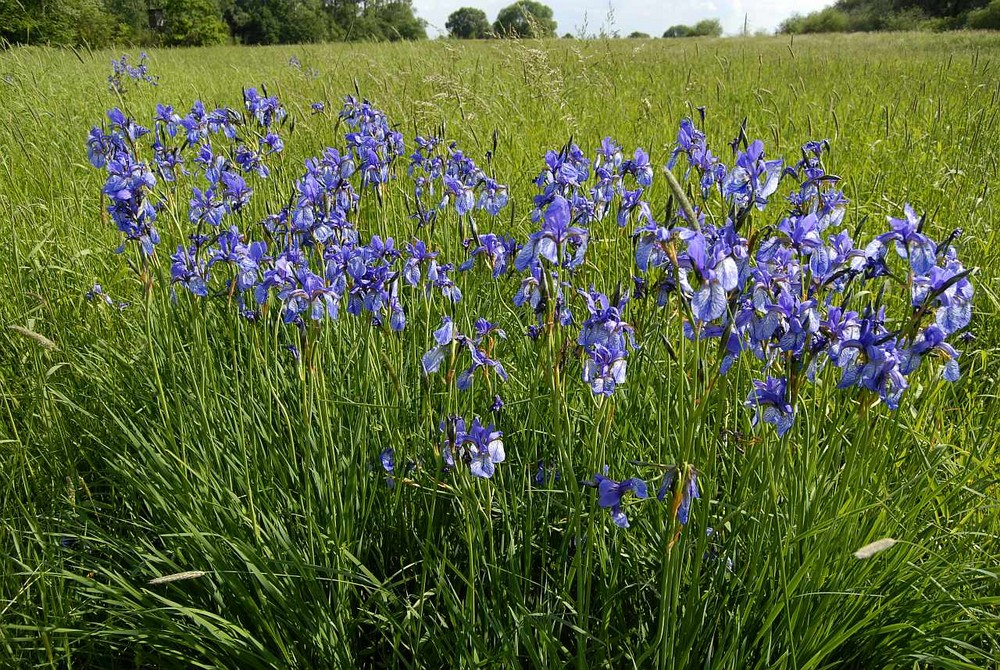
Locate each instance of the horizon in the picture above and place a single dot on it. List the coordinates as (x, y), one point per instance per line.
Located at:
(592, 17)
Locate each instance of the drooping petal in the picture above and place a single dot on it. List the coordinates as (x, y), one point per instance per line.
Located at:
(431, 361)
(727, 274)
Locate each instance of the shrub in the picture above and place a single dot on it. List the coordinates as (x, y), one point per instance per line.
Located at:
(987, 18)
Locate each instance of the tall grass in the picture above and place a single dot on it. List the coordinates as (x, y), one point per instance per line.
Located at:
(172, 437)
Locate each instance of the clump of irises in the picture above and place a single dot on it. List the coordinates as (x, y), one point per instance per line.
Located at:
(123, 72)
(797, 291)
(772, 275)
(449, 343)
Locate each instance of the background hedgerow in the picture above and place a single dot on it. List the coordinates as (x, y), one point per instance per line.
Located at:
(149, 433)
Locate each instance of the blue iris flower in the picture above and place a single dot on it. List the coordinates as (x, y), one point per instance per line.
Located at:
(610, 494)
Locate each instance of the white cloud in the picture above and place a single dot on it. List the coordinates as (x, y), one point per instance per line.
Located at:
(649, 16)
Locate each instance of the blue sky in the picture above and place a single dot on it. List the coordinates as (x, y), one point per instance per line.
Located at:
(650, 16)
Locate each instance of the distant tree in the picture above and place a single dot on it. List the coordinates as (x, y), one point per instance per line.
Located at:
(277, 21)
(196, 22)
(132, 17)
(468, 23)
(396, 21)
(638, 36)
(525, 18)
(569, 36)
(705, 28)
(872, 15)
(987, 18)
(376, 20)
(830, 20)
(939, 8)
(193, 23)
(56, 22)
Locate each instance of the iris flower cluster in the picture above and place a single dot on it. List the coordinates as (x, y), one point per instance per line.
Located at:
(372, 141)
(308, 255)
(442, 174)
(790, 299)
(595, 188)
(575, 194)
(773, 276)
(122, 72)
(448, 342)
(129, 183)
(606, 339)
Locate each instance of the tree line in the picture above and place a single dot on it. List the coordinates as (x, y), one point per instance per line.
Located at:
(202, 22)
(100, 23)
(529, 18)
(878, 15)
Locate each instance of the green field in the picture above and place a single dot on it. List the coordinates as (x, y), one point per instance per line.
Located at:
(174, 436)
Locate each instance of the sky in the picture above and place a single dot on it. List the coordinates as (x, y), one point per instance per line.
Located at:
(648, 16)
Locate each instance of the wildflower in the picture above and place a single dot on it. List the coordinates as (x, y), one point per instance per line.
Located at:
(931, 340)
(481, 446)
(871, 360)
(651, 249)
(609, 154)
(417, 255)
(610, 494)
(681, 492)
(310, 292)
(770, 398)
(437, 276)
(910, 243)
(388, 460)
(753, 180)
(667, 484)
(447, 336)
(188, 271)
(206, 207)
(691, 143)
(443, 336)
(266, 110)
(632, 202)
(493, 197)
(717, 271)
(639, 167)
(464, 197)
(397, 315)
(498, 249)
(100, 146)
(486, 449)
(122, 71)
(949, 290)
(552, 240)
(245, 259)
(97, 293)
(605, 325)
(127, 186)
(689, 492)
(545, 473)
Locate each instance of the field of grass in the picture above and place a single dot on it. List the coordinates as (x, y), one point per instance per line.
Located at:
(174, 436)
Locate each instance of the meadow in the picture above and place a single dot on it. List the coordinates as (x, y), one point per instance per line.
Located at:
(298, 489)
